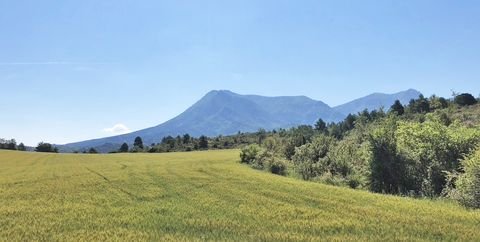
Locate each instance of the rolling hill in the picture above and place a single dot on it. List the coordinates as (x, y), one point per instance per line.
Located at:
(207, 196)
(224, 113)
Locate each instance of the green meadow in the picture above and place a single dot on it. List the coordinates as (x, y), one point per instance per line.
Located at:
(202, 196)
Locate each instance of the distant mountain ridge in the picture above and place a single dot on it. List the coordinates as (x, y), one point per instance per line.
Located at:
(376, 101)
(223, 112)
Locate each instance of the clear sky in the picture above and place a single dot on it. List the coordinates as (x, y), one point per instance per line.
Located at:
(71, 70)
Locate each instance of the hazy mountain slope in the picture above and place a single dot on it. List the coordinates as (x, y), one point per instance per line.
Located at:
(376, 101)
(225, 112)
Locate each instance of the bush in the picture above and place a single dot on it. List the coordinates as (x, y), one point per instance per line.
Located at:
(311, 159)
(467, 190)
(249, 153)
(278, 166)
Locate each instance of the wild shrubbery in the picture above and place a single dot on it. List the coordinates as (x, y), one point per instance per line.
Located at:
(264, 158)
(415, 150)
(467, 184)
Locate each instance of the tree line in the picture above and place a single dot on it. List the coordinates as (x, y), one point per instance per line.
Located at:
(427, 148)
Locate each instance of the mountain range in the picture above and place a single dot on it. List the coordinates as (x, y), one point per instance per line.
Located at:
(224, 112)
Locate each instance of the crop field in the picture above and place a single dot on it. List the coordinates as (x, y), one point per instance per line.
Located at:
(201, 196)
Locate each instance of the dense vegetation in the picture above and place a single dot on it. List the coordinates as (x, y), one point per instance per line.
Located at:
(202, 196)
(423, 149)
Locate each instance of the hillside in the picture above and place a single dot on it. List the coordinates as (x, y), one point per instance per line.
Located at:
(376, 101)
(202, 195)
(225, 113)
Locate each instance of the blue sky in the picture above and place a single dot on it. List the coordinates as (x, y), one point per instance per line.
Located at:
(70, 70)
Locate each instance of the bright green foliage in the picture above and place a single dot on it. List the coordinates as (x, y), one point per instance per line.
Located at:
(350, 161)
(311, 159)
(249, 153)
(202, 196)
(388, 170)
(431, 149)
(467, 185)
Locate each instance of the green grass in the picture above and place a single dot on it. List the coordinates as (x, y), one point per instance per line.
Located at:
(201, 196)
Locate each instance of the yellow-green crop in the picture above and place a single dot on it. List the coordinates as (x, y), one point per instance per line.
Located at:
(201, 196)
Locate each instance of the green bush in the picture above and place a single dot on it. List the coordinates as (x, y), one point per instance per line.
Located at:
(249, 153)
(278, 166)
(311, 159)
(467, 185)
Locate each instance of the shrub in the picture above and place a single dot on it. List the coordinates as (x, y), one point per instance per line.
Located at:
(311, 159)
(278, 166)
(249, 153)
(467, 190)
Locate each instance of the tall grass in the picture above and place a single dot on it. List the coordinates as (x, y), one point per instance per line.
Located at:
(201, 196)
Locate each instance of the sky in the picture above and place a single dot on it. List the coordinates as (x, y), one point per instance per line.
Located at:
(74, 70)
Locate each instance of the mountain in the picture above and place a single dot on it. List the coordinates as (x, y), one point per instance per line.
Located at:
(224, 113)
(376, 101)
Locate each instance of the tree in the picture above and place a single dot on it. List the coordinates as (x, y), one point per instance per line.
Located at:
(203, 142)
(138, 143)
(465, 99)
(92, 151)
(186, 138)
(21, 147)
(123, 148)
(386, 167)
(420, 105)
(397, 108)
(46, 147)
(321, 126)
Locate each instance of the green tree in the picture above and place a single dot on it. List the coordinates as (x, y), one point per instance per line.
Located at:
(397, 108)
(21, 147)
(465, 99)
(138, 143)
(386, 168)
(186, 139)
(46, 147)
(124, 148)
(203, 142)
(321, 126)
(92, 151)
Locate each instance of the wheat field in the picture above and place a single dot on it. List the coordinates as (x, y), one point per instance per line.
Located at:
(202, 196)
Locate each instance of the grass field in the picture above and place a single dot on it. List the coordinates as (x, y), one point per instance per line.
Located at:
(201, 196)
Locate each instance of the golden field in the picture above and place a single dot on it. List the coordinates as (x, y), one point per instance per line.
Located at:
(202, 196)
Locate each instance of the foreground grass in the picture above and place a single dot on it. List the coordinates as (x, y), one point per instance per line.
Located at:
(201, 196)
